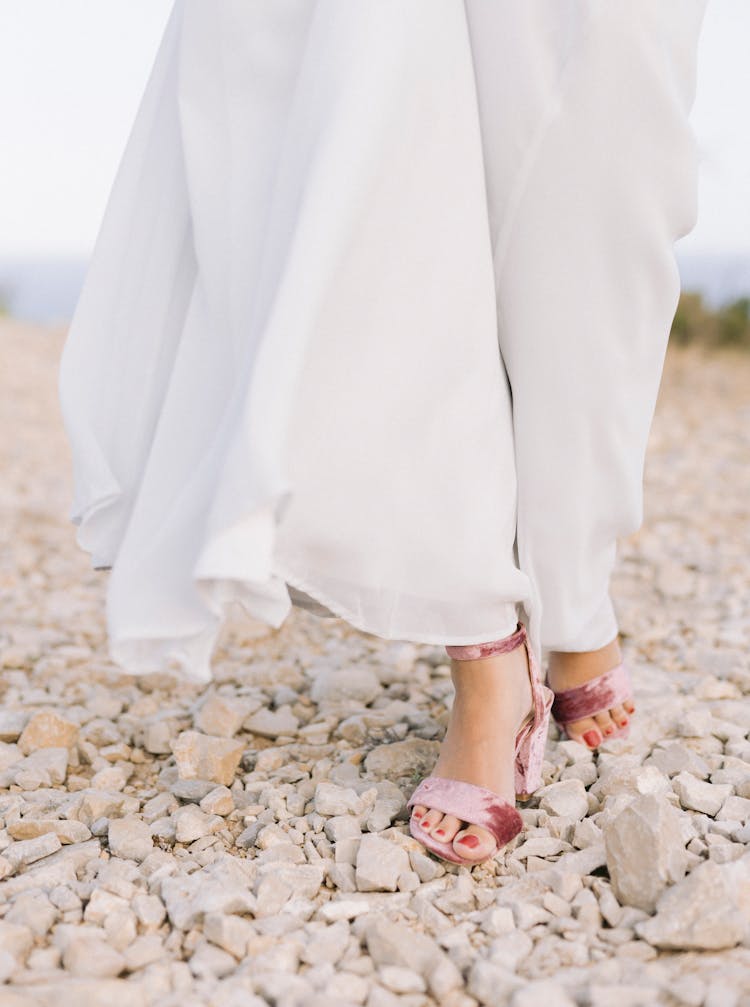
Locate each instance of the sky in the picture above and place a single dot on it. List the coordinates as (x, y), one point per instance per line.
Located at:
(72, 74)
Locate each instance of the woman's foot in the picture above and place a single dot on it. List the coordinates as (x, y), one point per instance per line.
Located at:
(492, 700)
(566, 669)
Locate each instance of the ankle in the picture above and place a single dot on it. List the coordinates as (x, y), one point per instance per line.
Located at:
(585, 662)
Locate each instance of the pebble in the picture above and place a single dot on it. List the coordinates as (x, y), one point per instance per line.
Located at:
(203, 757)
(697, 795)
(379, 864)
(649, 823)
(707, 911)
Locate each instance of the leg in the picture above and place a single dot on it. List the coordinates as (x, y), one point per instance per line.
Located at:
(586, 282)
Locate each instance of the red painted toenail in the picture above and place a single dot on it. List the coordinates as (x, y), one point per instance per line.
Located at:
(417, 814)
(439, 832)
(470, 841)
(607, 730)
(623, 722)
(591, 738)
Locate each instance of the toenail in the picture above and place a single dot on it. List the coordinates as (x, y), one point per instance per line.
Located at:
(439, 832)
(623, 722)
(607, 730)
(417, 814)
(470, 841)
(591, 738)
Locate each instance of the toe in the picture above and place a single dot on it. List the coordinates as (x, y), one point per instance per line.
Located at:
(619, 715)
(629, 705)
(418, 812)
(474, 843)
(431, 819)
(447, 828)
(605, 723)
(585, 731)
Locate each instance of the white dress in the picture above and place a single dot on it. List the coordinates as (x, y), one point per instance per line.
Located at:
(285, 369)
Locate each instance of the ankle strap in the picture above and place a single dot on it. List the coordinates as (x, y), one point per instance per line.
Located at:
(475, 651)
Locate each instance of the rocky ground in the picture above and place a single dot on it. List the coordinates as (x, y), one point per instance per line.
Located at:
(247, 843)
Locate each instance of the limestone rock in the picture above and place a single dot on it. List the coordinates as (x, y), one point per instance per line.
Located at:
(707, 911)
(221, 715)
(47, 729)
(272, 723)
(337, 684)
(414, 757)
(645, 851)
(66, 832)
(567, 798)
(130, 838)
(379, 864)
(391, 943)
(697, 795)
(201, 756)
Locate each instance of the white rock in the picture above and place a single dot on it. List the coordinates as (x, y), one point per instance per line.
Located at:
(47, 729)
(335, 685)
(567, 798)
(735, 809)
(379, 864)
(272, 723)
(697, 795)
(90, 956)
(391, 943)
(130, 838)
(333, 800)
(221, 715)
(708, 910)
(546, 992)
(645, 851)
(28, 851)
(204, 757)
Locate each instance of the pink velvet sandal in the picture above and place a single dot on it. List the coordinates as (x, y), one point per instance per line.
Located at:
(478, 805)
(611, 688)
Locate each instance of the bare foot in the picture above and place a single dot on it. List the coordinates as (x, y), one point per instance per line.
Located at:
(492, 700)
(566, 669)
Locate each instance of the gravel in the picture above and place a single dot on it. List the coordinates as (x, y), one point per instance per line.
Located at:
(247, 842)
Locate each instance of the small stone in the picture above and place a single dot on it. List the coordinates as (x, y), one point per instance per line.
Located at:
(545, 992)
(67, 832)
(28, 851)
(540, 846)
(707, 911)
(218, 802)
(130, 838)
(221, 715)
(401, 980)
(735, 809)
(191, 824)
(92, 957)
(379, 864)
(414, 757)
(391, 943)
(567, 798)
(678, 758)
(12, 723)
(47, 729)
(697, 795)
(650, 824)
(203, 757)
(333, 800)
(334, 685)
(231, 933)
(272, 723)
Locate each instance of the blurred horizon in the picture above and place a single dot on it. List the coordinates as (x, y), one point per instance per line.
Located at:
(63, 142)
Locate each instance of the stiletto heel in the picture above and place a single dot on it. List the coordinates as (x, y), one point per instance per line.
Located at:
(479, 805)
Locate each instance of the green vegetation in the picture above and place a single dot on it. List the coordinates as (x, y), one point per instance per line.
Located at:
(697, 324)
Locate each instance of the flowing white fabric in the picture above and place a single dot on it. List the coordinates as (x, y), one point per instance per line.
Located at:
(334, 227)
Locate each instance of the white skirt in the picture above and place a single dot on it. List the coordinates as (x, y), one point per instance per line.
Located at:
(284, 371)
